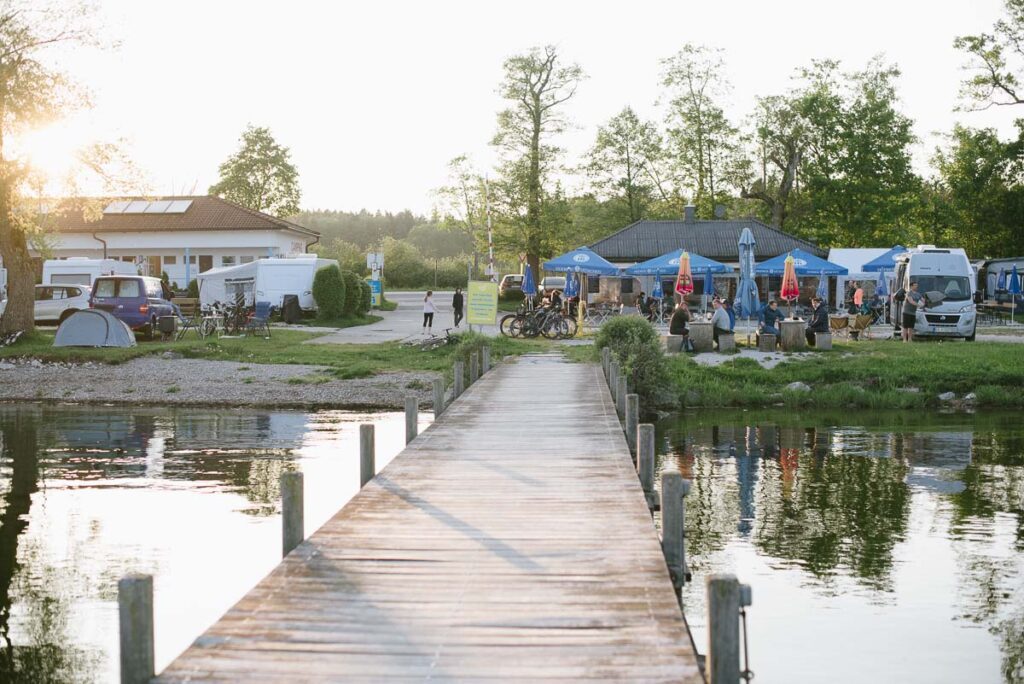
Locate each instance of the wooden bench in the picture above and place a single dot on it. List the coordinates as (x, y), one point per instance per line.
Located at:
(726, 342)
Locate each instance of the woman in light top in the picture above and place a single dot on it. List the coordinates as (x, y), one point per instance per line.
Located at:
(428, 312)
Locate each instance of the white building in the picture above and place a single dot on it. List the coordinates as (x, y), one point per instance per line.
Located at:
(180, 236)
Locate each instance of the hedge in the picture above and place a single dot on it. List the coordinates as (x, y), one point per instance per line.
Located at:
(329, 292)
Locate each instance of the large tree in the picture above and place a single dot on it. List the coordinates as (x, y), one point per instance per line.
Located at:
(463, 204)
(780, 136)
(537, 85)
(622, 164)
(997, 61)
(260, 175)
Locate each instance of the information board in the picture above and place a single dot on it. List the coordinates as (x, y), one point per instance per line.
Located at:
(482, 303)
(375, 291)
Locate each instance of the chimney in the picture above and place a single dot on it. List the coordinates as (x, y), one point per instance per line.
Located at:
(689, 213)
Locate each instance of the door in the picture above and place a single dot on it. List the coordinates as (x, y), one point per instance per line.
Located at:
(205, 262)
(44, 307)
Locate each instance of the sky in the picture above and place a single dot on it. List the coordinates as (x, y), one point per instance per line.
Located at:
(374, 98)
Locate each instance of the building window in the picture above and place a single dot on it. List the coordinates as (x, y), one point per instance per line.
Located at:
(245, 260)
(227, 261)
(153, 265)
(627, 286)
(192, 259)
(170, 260)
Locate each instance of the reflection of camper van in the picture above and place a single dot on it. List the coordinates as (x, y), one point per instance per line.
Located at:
(83, 271)
(263, 280)
(946, 279)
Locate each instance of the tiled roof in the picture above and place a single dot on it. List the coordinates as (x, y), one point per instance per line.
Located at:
(716, 240)
(205, 213)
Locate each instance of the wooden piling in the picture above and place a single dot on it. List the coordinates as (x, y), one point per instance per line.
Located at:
(723, 654)
(613, 380)
(412, 416)
(645, 463)
(458, 380)
(135, 615)
(367, 454)
(620, 396)
(474, 368)
(632, 419)
(438, 397)
(292, 531)
(673, 520)
(485, 364)
(606, 359)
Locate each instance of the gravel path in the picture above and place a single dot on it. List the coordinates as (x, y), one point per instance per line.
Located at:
(192, 382)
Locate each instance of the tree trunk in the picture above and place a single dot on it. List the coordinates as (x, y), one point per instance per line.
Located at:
(19, 313)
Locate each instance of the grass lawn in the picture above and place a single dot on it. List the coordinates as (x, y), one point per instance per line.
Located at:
(284, 346)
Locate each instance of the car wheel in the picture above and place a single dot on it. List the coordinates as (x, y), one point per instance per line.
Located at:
(973, 335)
(67, 313)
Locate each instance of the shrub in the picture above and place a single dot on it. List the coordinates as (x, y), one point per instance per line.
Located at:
(512, 296)
(365, 298)
(636, 345)
(352, 293)
(329, 292)
(193, 289)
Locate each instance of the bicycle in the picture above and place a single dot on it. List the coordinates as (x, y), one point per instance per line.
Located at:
(433, 342)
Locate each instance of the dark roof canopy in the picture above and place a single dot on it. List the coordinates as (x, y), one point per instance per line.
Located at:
(716, 240)
(205, 212)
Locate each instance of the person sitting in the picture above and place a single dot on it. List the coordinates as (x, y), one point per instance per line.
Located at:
(719, 322)
(819, 320)
(771, 318)
(642, 304)
(680, 317)
(556, 299)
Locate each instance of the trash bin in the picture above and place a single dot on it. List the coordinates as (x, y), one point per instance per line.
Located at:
(290, 310)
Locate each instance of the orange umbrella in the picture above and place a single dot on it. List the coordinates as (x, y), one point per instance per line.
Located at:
(684, 281)
(790, 287)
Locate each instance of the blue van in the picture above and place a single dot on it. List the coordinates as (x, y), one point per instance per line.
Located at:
(137, 300)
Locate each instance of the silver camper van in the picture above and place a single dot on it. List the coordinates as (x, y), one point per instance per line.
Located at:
(948, 282)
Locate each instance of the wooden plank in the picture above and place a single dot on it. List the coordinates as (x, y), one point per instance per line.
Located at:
(498, 546)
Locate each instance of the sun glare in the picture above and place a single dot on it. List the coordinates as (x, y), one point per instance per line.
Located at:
(51, 150)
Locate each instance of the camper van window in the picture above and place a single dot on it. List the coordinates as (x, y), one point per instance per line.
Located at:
(104, 287)
(955, 288)
(128, 288)
(154, 289)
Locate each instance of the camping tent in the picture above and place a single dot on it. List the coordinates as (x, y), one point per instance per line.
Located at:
(93, 328)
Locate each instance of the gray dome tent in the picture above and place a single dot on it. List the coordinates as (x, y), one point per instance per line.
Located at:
(93, 328)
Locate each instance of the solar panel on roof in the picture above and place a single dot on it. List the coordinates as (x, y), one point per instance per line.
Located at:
(136, 207)
(116, 207)
(158, 207)
(178, 206)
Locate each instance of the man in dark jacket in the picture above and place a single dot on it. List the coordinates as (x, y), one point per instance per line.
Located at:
(819, 320)
(771, 317)
(457, 302)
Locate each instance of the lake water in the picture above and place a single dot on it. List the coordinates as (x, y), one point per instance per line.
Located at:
(879, 548)
(188, 495)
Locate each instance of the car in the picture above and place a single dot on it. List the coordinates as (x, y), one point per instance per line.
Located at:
(512, 282)
(137, 300)
(551, 283)
(54, 303)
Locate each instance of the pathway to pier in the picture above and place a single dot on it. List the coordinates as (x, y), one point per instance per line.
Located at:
(509, 541)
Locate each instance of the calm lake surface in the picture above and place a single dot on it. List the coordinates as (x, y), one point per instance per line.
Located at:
(188, 495)
(879, 548)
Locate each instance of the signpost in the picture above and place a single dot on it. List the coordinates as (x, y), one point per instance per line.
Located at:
(375, 262)
(482, 303)
(375, 292)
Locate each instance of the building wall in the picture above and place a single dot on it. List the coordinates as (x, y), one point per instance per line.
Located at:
(166, 252)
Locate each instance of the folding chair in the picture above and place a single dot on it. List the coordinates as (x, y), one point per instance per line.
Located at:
(260, 319)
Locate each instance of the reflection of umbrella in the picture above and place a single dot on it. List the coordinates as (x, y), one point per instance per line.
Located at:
(1013, 287)
(709, 289)
(822, 287)
(684, 280)
(529, 287)
(790, 289)
(747, 300)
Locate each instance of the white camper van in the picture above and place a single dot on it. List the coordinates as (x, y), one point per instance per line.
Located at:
(263, 280)
(946, 279)
(83, 271)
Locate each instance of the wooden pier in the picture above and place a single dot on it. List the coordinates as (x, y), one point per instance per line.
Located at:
(511, 540)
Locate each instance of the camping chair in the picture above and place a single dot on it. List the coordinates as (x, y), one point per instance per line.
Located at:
(860, 325)
(260, 319)
(190, 316)
(839, 325)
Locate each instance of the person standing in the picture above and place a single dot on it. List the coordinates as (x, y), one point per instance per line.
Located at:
(457, 303)
(428, 312)
(911, 303)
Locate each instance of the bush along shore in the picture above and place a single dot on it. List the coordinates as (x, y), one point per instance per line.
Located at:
(866, 374)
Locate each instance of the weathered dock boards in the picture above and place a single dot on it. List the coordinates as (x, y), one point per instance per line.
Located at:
(510, 541)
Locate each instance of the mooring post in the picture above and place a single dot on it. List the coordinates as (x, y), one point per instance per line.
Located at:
(367, 454)
(438, 397)
(606, 360)
(459, 380)
(725, 595)
(486, 363)
(645, 462)
(673, 519)
(620, 396)
(632, 419)
(292, 532)
(613, 378)
(412, 416)
(474, 368)
(135, 612)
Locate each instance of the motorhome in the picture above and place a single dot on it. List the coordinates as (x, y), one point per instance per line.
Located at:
(84, 271)
(263, 280)
(948, 282)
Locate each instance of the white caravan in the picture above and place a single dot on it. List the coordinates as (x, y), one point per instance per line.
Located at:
(949, 284)
(83, 271)
(263, 280)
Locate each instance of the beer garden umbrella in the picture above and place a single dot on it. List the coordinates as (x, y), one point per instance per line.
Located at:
(822, 287)
(1013, 287)
(709, 288)
(684, 278)
(882, 290)
(790, 289)
(747, 300)
(529, 286)
(1001, 280)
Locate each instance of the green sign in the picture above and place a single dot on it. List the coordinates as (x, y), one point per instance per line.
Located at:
(482, 303)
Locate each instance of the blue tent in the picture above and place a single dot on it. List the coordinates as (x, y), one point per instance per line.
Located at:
(881, 287)
(582, 260)
(822, 292)
(885, 262)
(806, 264)
(529, 286)
(668, 264)
(748, 302)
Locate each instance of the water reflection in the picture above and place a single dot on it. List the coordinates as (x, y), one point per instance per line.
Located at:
(876, 518)
(191, 496)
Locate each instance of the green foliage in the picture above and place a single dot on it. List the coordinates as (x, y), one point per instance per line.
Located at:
(352, 293)
(349, 256)
(434, 242)
(623, 164)
(365, 298)
(260, 175)
(329, 292)
(997, 61)
(363, 229)
(193, 289)
(405, 267)
(637, 346)
(164, 278)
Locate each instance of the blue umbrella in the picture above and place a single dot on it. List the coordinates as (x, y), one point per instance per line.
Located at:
(748, 302)
(881, 289)
(709, 288)
(582, 260)
(657, 292)
(1013, 287)
(805, 263)
(822, 287)
(1001, 280)
(572, 287)
(668, 264)
(884, 262)
(529, 287)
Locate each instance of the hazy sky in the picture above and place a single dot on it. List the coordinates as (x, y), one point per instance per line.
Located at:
(374, 98)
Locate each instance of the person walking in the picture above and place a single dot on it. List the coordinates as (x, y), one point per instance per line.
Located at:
(428, 312)
(457, 302)
(913, 301)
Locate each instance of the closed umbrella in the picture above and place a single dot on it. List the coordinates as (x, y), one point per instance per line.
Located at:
(882, 290)
(1013, 287)
(790, 289)
(709, 289)
(529, 287)
(747, 300)
(822, 287)
(684, 279)
(1001, 280)
(658, 294)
